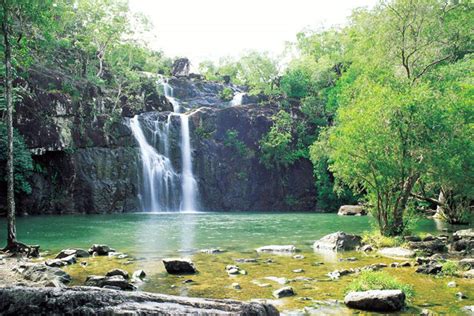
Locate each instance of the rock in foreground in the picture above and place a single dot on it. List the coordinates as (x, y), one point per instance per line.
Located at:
(352, 210)
(92, 301)
(179, 266)
(338, 241)
(376, 300)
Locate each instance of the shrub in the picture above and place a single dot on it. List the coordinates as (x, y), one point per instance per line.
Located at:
(226, 94)
(369, 280)
(377, 240)
(449, 268)
(232, 140)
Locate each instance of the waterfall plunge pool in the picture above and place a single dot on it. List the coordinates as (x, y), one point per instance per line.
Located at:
(149, 237)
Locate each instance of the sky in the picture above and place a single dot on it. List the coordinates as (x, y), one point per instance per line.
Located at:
(209, 29)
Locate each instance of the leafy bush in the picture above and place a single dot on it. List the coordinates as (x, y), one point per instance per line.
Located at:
(369, 280)
(449, 268)
(377, 240)
(226, 94)
(22, 163)
(232, 140)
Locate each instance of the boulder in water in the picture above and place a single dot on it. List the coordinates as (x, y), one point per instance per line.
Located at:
(277, 249)
(101, 250)
(352, 210)
(338, 241)
(284, 292)
(376, 300)
(80, 253)
(179, 266)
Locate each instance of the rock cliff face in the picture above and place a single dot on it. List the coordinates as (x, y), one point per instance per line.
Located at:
(87, 160)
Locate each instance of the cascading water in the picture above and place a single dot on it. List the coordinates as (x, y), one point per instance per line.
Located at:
(163, 188)
(237, 99)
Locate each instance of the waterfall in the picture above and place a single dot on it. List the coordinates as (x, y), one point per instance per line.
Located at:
(237, 99)
(163, 188)
(159, 177)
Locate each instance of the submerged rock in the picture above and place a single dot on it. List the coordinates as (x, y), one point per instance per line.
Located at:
(284, 292)
(397, 252)
(100, 250)
(352, 210)
(277, 249)
(71, 301)
(179, 266)
(79, 253)
(138, 275)
(376, 300)
(338, 241)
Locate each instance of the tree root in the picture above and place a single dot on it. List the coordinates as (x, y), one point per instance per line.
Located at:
(19, 248)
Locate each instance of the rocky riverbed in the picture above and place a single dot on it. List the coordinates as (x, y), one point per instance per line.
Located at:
(295, 279)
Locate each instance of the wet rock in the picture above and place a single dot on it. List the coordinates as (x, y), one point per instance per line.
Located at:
(366, 248)
(120, 272)
(298, 271)
(179, 266)
(79, 253)
(236, 286)
(212, 251)
(461, 295)
(187, 281)
(397, 252)
(71, 301)
(234, 270)
(117, 281)
(39, 272)
(412, 238)
(338, 241)
(55, 263)
(467, 263)
(349, 259)
(139, 274)
(284, 292)
(405, 264)
(452, 284)
(468, 274)
(181, 67)
(394, 265)
(429, 246)
(429, 268)
(376, 300)
(352, 210)
(100, 250)
(299, 257)
(277, 249)
(336, 274)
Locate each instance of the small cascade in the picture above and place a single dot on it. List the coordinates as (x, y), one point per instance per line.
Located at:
(163, 188)
(159, 191)
(237, 99)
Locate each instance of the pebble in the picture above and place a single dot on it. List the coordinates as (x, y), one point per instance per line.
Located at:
(298, 257)
(298, 271)
(236, 286)
(452, 284)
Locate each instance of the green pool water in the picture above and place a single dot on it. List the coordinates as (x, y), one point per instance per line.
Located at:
(164, 233)
(148, 237)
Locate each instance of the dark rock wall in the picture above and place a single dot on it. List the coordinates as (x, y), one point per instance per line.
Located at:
(87, 162)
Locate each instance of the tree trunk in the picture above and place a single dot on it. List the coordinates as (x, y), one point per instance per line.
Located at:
(11, 227)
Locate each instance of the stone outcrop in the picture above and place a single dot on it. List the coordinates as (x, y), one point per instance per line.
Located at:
(376, 300)
(179, 266)
(87, 160)
(338, 241)
(181, 67)
(93, 301)
(352, 210)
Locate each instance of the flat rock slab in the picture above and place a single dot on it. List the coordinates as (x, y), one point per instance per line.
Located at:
(376, 300)
(397, 252)
(93, 301)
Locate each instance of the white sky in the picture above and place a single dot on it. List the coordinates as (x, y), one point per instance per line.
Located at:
(201, 29)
